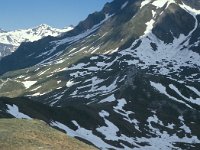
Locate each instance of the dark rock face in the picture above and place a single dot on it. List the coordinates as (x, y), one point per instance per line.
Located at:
(20, 58)
(195, 39)
(173, 22)
(193, 3)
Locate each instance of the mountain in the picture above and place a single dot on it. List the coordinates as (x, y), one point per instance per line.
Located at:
(2, 31)
(11, 40)
(126, 77)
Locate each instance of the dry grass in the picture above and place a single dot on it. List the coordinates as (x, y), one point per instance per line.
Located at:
(18, 134)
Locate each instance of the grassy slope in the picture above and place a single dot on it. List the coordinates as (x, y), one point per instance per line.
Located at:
(23, 134)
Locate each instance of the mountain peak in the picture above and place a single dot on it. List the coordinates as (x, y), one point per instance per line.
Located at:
(2, 31)
(11, 40)
(43, 27)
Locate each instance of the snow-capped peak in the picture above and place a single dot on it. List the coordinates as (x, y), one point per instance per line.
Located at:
(11, 40)
(44, 26)
(32, 34)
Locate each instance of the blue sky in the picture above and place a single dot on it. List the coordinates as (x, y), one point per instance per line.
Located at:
(19, 14)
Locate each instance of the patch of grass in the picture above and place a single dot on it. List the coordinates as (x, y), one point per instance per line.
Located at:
(24, 134)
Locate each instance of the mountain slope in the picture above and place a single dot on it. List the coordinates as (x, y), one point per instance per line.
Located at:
(33, 134)
(11, 40)
(138, 44)
(127, 76)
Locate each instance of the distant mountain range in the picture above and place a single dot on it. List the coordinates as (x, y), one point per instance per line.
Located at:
(11, 40)
(127, 77)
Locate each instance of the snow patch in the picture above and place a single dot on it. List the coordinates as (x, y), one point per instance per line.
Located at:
(124, 5)
(28, 84)
(84, 134)
(194, 101)
(14, 110)
(110, 130)
(149, 26)
(194, 90)
(162, 89)
(145, 2)
(69, 83)
(109, 99)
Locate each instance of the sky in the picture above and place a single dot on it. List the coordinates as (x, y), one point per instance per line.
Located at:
(22, 14)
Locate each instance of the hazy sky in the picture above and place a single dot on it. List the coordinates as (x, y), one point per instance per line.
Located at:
(18, 14)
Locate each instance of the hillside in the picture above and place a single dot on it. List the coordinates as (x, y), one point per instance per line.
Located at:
(25, 134)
